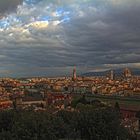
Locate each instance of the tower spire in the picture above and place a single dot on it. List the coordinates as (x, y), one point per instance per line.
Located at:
(74, 74)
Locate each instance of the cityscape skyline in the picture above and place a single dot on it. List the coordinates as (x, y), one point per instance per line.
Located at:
(48, 38)
(70, 69)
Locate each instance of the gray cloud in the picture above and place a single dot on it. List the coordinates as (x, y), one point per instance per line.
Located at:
(7, 6)
(102, 35)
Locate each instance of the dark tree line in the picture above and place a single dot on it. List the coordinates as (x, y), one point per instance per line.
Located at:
(86, 124)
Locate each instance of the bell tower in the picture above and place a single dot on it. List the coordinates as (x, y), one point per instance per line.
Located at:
(74, 74)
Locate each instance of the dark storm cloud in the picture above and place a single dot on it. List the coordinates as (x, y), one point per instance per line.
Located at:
(112, 37)
(8, 5)
(107, 35)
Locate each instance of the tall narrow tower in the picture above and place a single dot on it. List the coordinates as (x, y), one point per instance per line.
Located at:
(74, 74)
(112, 75)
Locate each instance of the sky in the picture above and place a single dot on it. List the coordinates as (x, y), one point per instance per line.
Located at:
(50, 37)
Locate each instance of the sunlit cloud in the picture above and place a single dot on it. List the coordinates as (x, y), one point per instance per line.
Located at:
(58, 34)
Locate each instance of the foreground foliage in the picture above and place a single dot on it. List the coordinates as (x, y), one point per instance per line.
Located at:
(86, 123)
(89, 121)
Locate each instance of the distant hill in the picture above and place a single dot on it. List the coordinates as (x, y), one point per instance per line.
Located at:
(116, 71)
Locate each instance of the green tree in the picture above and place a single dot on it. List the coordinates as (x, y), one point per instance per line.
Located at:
(117, 107)
(87, 123)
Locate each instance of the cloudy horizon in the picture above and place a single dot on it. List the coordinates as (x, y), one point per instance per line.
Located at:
(50, 37)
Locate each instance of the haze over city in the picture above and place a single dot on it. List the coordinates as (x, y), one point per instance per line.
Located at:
(49, 37)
